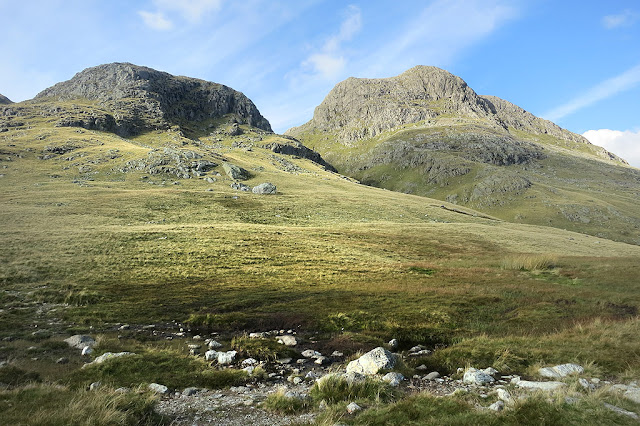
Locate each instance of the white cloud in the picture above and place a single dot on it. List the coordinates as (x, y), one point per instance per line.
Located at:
(190, 10)
(625, 81)
(438, 33)
(624, 19)
(156, 20)
(624, 144)
(330, 61)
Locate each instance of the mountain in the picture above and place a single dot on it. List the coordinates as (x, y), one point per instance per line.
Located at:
(140, 98)
(426, 132)
(4, 100)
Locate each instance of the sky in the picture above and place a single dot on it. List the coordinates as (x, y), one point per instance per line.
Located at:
(574, 62)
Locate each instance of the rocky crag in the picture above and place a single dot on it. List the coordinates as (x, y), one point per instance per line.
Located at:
(138, 99)
(4, 100)
(426, 132)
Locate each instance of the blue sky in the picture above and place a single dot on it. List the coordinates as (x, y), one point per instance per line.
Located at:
(574, 62)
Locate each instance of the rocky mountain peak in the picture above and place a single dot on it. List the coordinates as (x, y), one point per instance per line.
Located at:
(4, 100)
(360, 108)
(154, 98)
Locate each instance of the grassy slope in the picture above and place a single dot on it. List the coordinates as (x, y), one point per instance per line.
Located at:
(572, 188)
(325, 253)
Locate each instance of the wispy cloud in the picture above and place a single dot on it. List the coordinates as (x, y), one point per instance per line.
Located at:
(624, 144)
(155, 20)
(624, 19)
(190, 10)
(625, 81)
(439, 32)
(330, 61)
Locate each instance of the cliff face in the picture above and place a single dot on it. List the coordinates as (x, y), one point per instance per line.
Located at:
(142, 98)
(359, 108)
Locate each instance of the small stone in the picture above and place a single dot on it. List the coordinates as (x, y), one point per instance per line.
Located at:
(214, 345)
(372, 362)
(287, 340)
(86, 351)
(249, 361)
(595, 380)
(122, 390)
(266, 188)
(543, 386)
(393, 344)
(353, 408)
(297, 380)
(321, 360)
(157, 388)
(621, 411)
(62, 360)
(477, 377)
(190, 391)
(432, 376)
(249, 370)
(226, 357)
(80, 341)
(560, 371)
(337, 354)
(497, 406)
(585, 384)
(211, 355)
(94, 386)
(394, 379)
(505, 396)
(310, 353)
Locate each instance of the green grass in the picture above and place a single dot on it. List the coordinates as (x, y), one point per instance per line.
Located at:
(359, 265)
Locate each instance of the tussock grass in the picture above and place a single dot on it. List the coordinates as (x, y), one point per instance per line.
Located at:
(56, 405)
(336, 389)
(530, 262)
(279, 402)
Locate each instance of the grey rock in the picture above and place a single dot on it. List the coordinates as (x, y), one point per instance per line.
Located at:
(158, 388)
(95, 386)
(560, 371)
(632, 394)
(477, 377)
(211, 355)
(87, 351)
(235, 172)
(372, 362)
(287, 340)
(586, 384)
(226, 357)
(322, 360)
(622, 411)
(432, 376)
(249, 361)
(62, 360)
(505, 396)
(497, 406)
(265, 189)
(353, 408)
(393, 344)
(543, 386)
(310, 353)
(214, 345)
(190, 391)
(110, 355)
(240, 187)
(79, 341)
(4, 100)
(394, 379)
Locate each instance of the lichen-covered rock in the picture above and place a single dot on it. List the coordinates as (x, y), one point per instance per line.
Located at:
(560, 371)
(158, 388)
(264, 188)
(287, 340)
(235, 172)
(477, 377)
(372, 362)
(394, 379)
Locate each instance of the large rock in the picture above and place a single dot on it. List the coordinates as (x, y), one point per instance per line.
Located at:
(235, 172)
(287, 340)
(560, 371)
(477, 377)
(264, 188)
(394, 379)
(110, 355)
(372, 362)
(80, 341)
(226, 357)
(543, 386)
(158, 388)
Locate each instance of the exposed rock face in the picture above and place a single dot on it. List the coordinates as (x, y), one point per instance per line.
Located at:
(360, 108)
(4, 100)
(142, 98)
(294, 147)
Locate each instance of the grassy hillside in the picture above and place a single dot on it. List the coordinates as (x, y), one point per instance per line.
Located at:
(513, 175)
(89, 241)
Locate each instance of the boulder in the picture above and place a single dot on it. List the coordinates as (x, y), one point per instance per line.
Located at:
(211, 355)
(226, 357)
(265, 188)
(240, 187)
(79, 341)
(560, 371)
(394, 379)
(372, 362)
(497, 406)
(157, 388)
(393, 344)
(190, 391)
(477, 377)
(214, 345)
(110, 355)
(432, 376)
(235, 172)
(633, 394)
(621, 411)
(86, 351)
(353, 408)
(543, 386)
(505, 396)
(310, 353)
(287, 340)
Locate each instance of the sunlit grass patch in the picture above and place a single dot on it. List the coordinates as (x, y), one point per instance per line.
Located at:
(530, 262)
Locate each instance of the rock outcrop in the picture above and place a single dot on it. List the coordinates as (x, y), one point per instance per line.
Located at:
(4, 100)
(142, 98)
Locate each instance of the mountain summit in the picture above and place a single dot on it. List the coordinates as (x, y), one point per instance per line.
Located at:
(426, 132)
(4, 100)
(143, 98)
